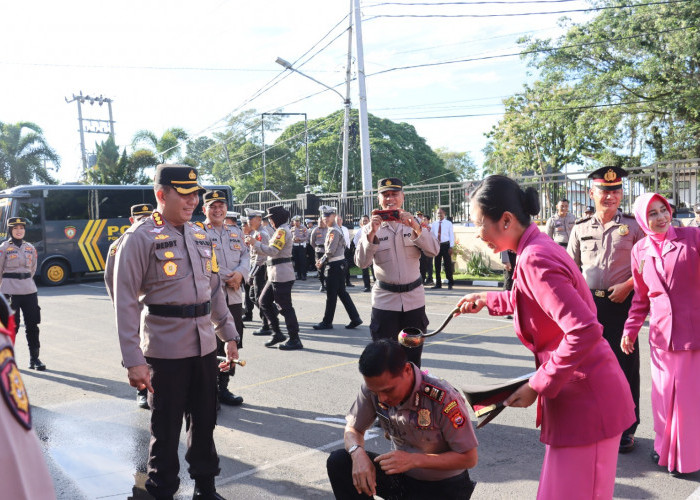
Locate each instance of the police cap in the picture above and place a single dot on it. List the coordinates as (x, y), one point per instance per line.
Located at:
(327, 210)
(608, 178)
(251, 212)
(389, 184)
(182, 178)
(17, 221)
(212, 195)
(141, 210)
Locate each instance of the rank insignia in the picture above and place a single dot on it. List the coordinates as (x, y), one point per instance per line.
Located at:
(157, 219)
(624, 229)
(13, 390)
(236, 246)
(457, 420)
(208, 265)
(434, 393)
(162, 237)
(200, 236)
(450, 406)
(170, 268)
(169, 255)
(424, 417)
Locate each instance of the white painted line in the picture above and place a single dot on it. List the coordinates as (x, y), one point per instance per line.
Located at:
(94, 286)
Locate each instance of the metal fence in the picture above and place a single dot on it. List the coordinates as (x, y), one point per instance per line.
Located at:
(677, 180)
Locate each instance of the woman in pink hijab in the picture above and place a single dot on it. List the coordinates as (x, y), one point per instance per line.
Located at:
(666, 272)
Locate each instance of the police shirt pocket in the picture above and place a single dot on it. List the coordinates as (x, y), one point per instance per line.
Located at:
(12, 260)
(589, 246)
(382, 255)
(411, 249)
(169, 262)
(205, 254)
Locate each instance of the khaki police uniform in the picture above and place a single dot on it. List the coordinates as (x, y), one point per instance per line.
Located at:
(317, 238)
(604, 253)
(280, 280)
(258, 274)
(398, 298)
(334, 265)
(23, 473)
(300, 235)
(433, 420)
(17, 269)
(173, 276)
(559, 228)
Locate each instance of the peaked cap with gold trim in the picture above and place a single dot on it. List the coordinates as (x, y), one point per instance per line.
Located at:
(183, 178)
(389, 184)
(608, 178)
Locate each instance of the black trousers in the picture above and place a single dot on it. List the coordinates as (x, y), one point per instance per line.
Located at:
(182, 387)
(256, 288)
(613, 316)
(29, 306)
(280, 294)
(299, 259)
(349, 261)
(388, 325)
(365, 275)
(237, 313)
(444, 256)
(426, 267)
(335, 289)
(321, 273)
(249, 305)
(394, 486)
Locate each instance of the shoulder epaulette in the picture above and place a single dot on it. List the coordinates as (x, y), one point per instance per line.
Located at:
(199, 224)
(582, 219)
(157, 218)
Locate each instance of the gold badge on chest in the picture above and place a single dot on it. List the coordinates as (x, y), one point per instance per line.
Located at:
(624, 229)
(424, 417)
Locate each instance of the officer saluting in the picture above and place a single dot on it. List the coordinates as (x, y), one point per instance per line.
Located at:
(233, 259)
(333, 262)
(166, 265)
(394, 246)
(601, 244)
(280, 280)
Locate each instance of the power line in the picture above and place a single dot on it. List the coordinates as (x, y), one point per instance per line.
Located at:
(441, 4)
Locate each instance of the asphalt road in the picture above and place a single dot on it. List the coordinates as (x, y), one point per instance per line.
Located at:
(95, 439)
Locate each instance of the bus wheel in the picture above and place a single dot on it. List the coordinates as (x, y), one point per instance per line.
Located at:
(55, 272)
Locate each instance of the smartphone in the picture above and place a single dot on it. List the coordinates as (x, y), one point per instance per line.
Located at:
(387, 215)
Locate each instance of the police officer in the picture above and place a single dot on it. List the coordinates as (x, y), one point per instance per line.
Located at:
(23, 473)
(17, 269)
(398, 298)
(602, 245)
(318, 241)
(248, 304)
(258, 265)
(300, 235)
(334, 264)
(166, 265)
(138, 212)
(349, 250)
(280, 280)
(696, 220)
(426, 420)
(559, 225)
(234, 265)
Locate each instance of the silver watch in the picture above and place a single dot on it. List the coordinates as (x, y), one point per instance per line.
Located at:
(353, 448)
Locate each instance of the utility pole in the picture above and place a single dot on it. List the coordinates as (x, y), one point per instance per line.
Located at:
(364, 126)
(98, 128)
(346, 118)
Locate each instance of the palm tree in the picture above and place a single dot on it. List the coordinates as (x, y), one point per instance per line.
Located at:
(24, 153)
(165, 148)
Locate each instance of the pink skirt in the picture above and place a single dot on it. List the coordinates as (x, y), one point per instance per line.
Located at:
(676, 407)
(584, 472)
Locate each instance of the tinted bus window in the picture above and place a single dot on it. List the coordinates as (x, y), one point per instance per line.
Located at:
(66, 205)
(117, 203)
(31, 210)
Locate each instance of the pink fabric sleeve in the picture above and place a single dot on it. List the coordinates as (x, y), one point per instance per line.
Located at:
(499, 303)
(640, 301)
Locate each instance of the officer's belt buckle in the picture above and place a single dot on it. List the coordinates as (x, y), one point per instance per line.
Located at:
(599, 293)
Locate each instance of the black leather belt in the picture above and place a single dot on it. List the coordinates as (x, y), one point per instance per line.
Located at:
(600, 293)
(389, 287)
(188, 311)
(563, 244)
(281, 261)
(17, 276)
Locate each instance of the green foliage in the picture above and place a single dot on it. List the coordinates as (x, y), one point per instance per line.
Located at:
(478, 264)
(460, 164)
(166, 148)
(113, 168)
(24, 154)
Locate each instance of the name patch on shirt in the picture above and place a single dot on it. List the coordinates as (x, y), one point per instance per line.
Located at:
(166, 244)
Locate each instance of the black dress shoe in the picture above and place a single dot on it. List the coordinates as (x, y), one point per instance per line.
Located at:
(349, 284)
(262, 332)
(230, 399)
(303, 278)
(292, 345)
(435, 287)
(142, 399)
(655, 457)
(247, 317)
(322, 289)
(449, 287)
(354, 323)
(276, 339)
(209, 495)
(626, 443)
(322, 326)
(366, 289)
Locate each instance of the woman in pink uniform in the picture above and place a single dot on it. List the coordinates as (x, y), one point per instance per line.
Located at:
(584, 400)
(666, 272)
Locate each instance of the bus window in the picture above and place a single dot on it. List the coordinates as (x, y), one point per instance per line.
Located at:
(116, 203)
(5, 204)
(66, 204)
(31, 210)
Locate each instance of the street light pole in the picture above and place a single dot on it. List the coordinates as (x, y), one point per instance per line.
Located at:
(346, 120)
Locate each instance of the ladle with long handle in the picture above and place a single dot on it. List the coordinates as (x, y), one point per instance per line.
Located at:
(413, 337)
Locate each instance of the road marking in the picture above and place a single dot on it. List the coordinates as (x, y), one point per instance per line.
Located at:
(102, 287)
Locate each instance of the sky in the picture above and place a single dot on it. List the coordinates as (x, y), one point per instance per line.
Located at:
(191, 64)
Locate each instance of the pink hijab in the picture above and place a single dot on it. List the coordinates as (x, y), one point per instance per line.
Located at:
(641, 206)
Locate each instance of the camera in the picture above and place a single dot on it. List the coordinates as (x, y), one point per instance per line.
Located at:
(387, 215)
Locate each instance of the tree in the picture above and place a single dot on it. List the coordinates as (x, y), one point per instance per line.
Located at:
(165, 148)
(24, 154)
(113, 168)
(460, 164)
(197, 155)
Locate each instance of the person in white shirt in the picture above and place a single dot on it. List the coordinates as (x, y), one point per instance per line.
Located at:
(443, 230)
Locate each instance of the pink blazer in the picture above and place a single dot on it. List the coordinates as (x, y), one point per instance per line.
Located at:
(583, 394)
(674, 299)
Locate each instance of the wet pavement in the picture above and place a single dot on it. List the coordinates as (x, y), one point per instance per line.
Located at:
(95, 438)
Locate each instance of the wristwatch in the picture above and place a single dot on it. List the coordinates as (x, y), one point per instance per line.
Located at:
(353, 448)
